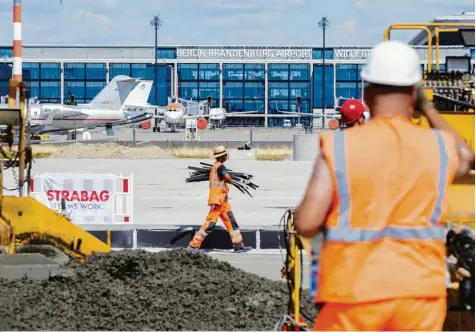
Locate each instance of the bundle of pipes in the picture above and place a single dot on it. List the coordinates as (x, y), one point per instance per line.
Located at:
(241, 181)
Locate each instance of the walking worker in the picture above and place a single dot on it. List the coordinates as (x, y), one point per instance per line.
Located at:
(219, 206)
(353, 113)
(378, 194)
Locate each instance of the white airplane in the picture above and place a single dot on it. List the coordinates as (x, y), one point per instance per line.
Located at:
(311, 116)
(175, 114)
(218, 116)
(109, 108)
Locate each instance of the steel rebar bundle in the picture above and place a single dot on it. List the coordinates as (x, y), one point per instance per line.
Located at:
(241, 181)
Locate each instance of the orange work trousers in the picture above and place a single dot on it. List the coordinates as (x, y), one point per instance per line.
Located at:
(225, 213)
(405, 314)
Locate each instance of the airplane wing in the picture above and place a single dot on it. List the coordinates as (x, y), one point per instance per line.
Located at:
(142, 116)
(232, 114)
(314, 115)
(134, 119)
(49, 119)
(194, 116)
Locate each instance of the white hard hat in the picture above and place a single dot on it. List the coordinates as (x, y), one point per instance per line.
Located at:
(393, 63)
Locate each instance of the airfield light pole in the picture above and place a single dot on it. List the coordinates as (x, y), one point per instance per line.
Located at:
(156, 23)
(324, 23)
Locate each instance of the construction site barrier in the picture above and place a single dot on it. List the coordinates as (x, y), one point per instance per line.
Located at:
(159, 236)
(86, 198)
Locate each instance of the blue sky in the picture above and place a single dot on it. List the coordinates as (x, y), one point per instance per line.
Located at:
(218, 22)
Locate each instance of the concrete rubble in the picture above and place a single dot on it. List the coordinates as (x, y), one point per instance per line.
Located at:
(138, 290)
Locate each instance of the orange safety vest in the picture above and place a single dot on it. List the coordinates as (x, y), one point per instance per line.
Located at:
(218, 189)
(384, 234)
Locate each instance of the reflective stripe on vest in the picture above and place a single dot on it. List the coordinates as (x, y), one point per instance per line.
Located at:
(343, 233)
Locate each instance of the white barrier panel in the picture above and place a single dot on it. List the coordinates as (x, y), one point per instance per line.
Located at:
(89, 198)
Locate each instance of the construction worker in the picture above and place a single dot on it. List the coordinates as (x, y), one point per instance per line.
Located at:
(378, 196)
(219, 206)
(353, 113)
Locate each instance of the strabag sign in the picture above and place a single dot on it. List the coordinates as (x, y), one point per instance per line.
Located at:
(89, 198)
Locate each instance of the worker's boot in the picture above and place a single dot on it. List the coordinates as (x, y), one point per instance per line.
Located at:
(240, 248)
(195, 250)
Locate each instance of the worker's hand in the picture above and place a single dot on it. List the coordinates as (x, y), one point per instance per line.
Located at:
(422, 102)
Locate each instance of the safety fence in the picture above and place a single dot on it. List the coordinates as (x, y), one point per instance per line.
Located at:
(86, 199)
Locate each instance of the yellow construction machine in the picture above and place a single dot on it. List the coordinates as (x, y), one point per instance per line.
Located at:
(461, 205)
(461, 195)
(292, 271)
(23, 219)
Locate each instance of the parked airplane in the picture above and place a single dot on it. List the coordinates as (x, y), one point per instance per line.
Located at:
(328, 114)
(218, 116)
(117, 107)
(176, 114)
(109, 108)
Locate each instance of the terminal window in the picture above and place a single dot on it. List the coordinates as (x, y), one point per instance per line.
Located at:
(116, 69)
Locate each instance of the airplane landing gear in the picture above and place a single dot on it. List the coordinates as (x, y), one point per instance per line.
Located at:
(156, 128)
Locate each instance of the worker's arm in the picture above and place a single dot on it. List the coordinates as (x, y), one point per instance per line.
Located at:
(228, 178)
(466, 156)
(312, 212)
(223, 174)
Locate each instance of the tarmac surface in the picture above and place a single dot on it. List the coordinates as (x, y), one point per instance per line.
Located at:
(162, 197)
(268, 136)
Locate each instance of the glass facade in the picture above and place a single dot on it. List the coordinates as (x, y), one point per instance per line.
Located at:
(44, 80)
(263, 86)
(286, 82)
(243, 87)
(166, 53)
(83, 80)
(199, 81)
(146, 71)
(318, 90)
(348, 82)
(317, 53)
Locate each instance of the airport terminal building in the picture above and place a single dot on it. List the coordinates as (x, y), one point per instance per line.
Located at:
(264, 79)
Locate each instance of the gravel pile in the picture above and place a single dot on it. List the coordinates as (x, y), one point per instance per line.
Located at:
(108, 151)
(138, 290)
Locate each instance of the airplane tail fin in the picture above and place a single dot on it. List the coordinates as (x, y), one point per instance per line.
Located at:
(140, 94)
(113, 95)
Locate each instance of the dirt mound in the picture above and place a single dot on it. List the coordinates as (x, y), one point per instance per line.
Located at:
(108, 151)
(138, 290)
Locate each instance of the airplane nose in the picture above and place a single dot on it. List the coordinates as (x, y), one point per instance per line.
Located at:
(172, 117)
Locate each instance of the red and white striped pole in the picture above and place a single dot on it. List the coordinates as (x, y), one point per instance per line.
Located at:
(17, 46)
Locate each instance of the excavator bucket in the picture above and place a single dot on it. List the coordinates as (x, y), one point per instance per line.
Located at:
(34, 223)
